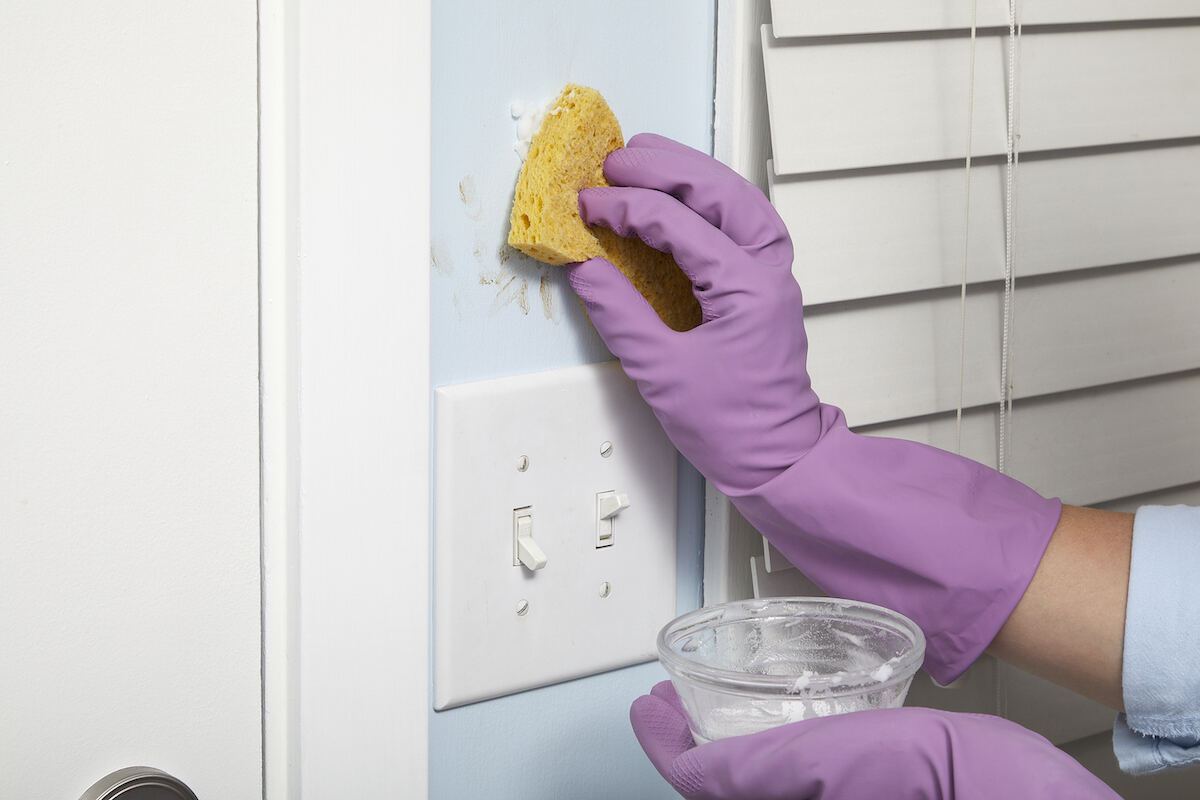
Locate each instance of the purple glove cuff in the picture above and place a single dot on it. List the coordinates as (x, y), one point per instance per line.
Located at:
(940, 538)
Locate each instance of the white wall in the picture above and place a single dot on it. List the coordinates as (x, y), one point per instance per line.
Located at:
(129, 536)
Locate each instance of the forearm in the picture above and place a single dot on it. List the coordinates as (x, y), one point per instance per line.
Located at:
(1070, 624)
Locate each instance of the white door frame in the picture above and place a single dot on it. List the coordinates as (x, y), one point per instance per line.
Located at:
(739, 141)
(344, 96)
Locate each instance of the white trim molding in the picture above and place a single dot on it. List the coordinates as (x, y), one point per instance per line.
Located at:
(740, 140)
(740, 132)
(344, 269)
(278, 396)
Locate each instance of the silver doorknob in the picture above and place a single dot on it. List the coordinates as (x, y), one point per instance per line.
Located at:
(139, 783)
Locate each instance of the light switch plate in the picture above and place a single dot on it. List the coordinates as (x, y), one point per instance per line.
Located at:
(538, 441)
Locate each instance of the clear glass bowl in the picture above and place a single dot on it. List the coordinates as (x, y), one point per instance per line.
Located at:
(746, 666)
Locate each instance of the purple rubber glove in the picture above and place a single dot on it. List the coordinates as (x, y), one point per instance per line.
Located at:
(897, 753)
(946, 541)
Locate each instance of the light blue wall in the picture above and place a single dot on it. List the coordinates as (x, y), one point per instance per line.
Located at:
(498, 313)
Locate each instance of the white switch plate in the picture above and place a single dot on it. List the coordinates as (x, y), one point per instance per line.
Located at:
(558, 421)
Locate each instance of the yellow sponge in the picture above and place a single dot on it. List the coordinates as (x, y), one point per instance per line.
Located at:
(567, 155)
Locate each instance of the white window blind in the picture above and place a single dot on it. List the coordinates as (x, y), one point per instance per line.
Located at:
(863, 109)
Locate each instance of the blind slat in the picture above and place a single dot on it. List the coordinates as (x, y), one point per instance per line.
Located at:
(1111, 441)
(1107, 208)
(1109, 86)
(1086, 447)
(871, 103)
(823, 18)
(864, 235)
(899, 359)
(1086, 330)
(891, 360)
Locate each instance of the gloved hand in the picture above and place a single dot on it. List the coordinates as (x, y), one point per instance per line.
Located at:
(946, 541)
(897, 753)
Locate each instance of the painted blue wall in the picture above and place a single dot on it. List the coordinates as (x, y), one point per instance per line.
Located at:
(495, 312)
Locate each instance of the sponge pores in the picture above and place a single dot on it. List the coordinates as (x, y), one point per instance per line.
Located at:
(567, 154)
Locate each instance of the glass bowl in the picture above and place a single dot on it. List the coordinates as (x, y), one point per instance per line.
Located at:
(749, 665)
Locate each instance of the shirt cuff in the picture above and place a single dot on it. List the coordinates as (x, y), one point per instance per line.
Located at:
(1138, 754)
(1161, 664)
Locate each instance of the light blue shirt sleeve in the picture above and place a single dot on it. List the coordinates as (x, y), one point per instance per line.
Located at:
(1161, 665)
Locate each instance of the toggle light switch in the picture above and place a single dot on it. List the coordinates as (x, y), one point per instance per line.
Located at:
(608, 505)
(521, 460)
(525, 550)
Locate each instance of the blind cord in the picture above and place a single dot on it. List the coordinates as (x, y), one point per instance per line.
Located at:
(1012, 159)
(1010, 178)
(1003, 440)
(962, 299)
